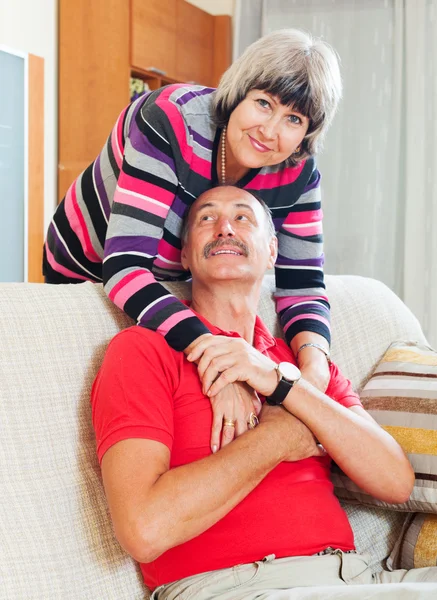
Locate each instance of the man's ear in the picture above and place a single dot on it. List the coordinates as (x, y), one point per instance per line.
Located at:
(273, 247)
(184, 260)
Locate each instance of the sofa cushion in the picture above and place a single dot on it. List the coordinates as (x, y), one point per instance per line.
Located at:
(376, 531)
(416, 546)
(56, 539)
(401, 395)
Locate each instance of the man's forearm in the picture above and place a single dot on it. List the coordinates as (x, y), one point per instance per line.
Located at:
(364, 451)
(187, 500)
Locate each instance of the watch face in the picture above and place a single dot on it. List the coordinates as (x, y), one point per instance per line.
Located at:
(289, 371)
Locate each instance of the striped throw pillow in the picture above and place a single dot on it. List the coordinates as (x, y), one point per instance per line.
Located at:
(401, 396)
(417, 544)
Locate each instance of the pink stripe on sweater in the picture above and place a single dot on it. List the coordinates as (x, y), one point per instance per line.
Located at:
(288, 301)
(305, 231)
(143, 203)
(78, 225)
(118, 286)
(162, 264)
(168, 251)
(272, 180)
(172, 321)
(144, 188)
(131, 287)
(201, 166)
(308, 216)
(176, 120)
(60, 269)
(307, 316)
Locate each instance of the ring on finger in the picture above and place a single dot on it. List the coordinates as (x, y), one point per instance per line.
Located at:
(253, 421)
(229, 423)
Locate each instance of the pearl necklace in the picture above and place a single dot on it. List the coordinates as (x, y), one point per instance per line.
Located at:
(223, 173)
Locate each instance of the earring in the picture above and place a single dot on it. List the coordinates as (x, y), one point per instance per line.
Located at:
(297, 150)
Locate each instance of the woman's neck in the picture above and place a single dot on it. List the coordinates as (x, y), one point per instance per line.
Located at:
(233, 171)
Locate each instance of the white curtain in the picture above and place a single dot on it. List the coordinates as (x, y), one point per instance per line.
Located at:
(379, 164)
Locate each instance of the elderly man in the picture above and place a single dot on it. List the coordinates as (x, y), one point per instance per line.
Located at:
(260, 513)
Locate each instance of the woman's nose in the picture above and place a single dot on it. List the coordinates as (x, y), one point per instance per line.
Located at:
(270, 128)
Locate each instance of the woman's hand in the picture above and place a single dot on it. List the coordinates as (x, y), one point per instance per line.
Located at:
(315, 368)
(234, 403)
(223, 360)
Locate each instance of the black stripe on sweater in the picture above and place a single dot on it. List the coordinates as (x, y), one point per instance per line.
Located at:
(93, 204)
(287, 279)
(149, 177)
(114, 265)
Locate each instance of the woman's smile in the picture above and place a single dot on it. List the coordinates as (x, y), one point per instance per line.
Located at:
(258, 146)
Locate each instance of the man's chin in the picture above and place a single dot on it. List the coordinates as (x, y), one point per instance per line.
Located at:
(229, 273)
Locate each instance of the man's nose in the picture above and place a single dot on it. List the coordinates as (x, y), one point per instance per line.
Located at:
(224, 228)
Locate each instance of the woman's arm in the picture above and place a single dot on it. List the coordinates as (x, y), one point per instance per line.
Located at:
(301, 300)
(146, 198)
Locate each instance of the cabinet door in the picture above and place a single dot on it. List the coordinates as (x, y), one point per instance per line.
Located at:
(93, 79)
(153, 35)
(195, 41)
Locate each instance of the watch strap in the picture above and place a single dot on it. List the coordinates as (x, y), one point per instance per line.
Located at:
(280, 393)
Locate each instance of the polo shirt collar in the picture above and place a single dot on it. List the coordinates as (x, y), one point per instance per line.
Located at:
(262, 338)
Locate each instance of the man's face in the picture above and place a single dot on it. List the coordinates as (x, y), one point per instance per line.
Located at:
(228, 237)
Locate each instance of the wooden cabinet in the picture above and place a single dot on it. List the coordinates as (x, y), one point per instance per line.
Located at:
(104, 42)
(93, 80)
(153, 37)
(195, 42)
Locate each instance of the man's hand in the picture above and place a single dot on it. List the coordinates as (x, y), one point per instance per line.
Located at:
(290, 433)
(234, 403)
(223, 360)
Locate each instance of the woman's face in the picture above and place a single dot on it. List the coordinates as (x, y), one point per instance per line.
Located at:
(263, 132)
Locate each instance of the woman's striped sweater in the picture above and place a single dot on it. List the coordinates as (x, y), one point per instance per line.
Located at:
(120, 221)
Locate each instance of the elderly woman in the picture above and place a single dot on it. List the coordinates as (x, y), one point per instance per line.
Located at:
(120, 221)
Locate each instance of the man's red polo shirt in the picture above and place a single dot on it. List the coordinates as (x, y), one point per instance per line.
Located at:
(145, 389)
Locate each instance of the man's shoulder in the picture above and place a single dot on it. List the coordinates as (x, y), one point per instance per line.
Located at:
(137, 339)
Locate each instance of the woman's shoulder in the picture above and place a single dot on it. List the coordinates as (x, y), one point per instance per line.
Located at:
(304, 173)
(186, 98)
(183, 109)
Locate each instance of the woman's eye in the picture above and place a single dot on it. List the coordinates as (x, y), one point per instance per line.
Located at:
(295, 120)
(242, 218)
(263, 103)
(206, 218)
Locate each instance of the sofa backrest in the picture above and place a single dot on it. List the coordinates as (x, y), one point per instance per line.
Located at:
(56, 540)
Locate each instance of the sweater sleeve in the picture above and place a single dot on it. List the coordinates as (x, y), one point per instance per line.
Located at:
(301, 300)
(147, 188)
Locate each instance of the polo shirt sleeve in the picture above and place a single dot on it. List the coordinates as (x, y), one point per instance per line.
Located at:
(132, 395)
(341, 390)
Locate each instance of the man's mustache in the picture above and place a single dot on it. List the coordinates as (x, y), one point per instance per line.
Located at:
(228, 242)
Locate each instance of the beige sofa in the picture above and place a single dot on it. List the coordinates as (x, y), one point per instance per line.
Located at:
(56, 539)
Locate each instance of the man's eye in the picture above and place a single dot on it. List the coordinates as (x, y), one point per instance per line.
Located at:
(242, 218)
(206, 218)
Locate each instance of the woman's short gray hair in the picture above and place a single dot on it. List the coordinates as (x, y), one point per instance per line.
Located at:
(301, 70)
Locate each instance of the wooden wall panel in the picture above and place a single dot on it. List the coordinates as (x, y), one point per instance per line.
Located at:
(153, 35)
(93, 78)
(36, 169)
(194, 44)
(222, 48)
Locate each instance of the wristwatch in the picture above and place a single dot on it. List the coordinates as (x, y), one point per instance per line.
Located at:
(288, 375)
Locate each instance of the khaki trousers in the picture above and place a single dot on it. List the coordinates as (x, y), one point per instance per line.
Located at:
(270, 577)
